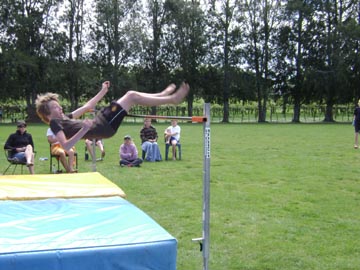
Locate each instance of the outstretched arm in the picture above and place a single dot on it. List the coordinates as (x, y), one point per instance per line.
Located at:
(90, 105)
(67, 144)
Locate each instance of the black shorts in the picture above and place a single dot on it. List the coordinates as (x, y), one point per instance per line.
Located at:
(357, 126)
(114, 114)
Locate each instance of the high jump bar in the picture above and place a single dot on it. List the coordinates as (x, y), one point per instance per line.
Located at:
(194, 119)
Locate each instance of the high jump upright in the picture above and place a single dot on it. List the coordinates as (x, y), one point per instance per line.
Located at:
(206, 190)
(204, 241)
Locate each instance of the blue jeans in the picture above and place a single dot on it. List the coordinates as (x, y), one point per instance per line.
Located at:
(152, 151)
(135, 162)
(20, 156)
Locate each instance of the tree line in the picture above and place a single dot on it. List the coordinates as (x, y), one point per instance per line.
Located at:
(293, 52)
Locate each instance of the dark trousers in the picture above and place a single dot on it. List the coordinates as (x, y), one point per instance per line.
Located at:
(135, 162)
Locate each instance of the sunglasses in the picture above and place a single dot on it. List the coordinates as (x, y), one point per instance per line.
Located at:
(22, 126)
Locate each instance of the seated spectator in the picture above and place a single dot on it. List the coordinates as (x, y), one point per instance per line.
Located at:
(129, 154)
(90, 148)
(22, 146)
(56, 149)
(149, 136)
(172, 136)
(167, 135)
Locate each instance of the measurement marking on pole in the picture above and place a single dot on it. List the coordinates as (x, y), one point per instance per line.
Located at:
(207, 142)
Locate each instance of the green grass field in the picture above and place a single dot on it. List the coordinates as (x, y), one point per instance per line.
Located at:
(283, 196)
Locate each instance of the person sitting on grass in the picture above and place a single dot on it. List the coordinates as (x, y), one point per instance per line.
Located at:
(69, 130)
(129, 153)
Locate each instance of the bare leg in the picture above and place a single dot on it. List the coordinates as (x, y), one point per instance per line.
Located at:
(167, 91)
(31, 168)
(29, 155)
(63, 160)
(101, 147)
(71, 159)
(167, 138)
(356, 145)
(90, 148)
(137, 98)
(173, 142)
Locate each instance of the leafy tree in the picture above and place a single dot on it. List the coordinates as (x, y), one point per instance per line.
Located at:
(185, 42)
(152, 57)
(329, 71)
(224, 39)
(293, 42)
(211, 80)
(229, 50)
(261, 23)
(25, 27)
(349, 33)
(152, 73)
(117, 35)
(74, 19)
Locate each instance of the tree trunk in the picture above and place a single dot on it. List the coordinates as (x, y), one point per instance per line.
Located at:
(32, 116)
(262, 111)
(329, 112)
(297, 107)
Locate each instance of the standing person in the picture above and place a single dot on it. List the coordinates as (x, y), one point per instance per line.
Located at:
(129, 153)
(356, 124)
(56, 149)
(22, 146)
(172, 136)
(149, 136)
(90, 148)
(69, 131)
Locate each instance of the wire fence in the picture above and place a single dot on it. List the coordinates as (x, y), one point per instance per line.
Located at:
(237, 114)
(250, 114)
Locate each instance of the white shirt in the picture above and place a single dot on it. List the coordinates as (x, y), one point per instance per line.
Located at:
(50, 133)
(176, 131)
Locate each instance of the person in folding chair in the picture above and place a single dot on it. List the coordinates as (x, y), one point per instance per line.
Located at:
(90, 148)
(21, 146)
(172, 136)
(57, 150)
(149, 146)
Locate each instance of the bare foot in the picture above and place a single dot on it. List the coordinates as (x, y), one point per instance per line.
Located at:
(168, 90)
(181, 93)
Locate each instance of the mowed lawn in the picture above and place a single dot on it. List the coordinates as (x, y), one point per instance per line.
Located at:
(283, 196)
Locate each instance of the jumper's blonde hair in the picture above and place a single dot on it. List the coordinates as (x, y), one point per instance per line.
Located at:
(42, 105)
